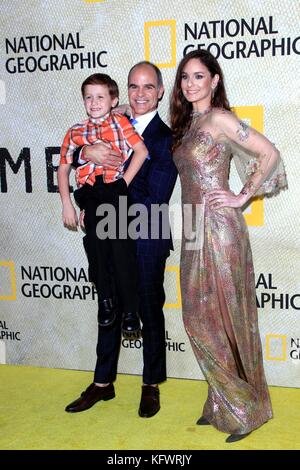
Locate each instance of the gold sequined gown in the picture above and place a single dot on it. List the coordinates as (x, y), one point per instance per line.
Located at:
(218, 290)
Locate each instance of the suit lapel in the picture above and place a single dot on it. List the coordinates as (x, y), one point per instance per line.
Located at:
(151, 131)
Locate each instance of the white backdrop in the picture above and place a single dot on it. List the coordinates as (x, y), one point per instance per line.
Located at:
(47, 308)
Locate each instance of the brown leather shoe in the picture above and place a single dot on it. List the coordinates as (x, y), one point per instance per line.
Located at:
(90, 396)
(149, 404)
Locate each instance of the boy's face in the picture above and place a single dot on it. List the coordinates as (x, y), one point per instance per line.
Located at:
(97, 101)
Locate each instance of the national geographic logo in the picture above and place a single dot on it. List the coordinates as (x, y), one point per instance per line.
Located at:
(280, 347)
(50, 52)
(237, 38)
(44, 282)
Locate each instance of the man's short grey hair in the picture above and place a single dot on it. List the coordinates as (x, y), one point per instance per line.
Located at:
(155, 68)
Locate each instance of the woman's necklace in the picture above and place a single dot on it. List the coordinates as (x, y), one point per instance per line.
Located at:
(196, 114)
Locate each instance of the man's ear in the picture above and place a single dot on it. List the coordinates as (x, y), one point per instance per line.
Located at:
(161, 92)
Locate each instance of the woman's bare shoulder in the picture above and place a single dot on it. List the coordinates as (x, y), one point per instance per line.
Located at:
(221, 117)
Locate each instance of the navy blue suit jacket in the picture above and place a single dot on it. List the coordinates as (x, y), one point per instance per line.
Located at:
(154, 184)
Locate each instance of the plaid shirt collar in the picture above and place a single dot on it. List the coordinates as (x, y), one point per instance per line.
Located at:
(99, 120)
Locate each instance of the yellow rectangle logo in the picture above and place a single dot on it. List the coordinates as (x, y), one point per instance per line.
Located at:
(278, 345)
(176, 274)
(7, 275)
(160, 34)
(2, 92)
(2, 352)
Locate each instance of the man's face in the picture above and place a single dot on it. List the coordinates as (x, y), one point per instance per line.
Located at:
(143, 90)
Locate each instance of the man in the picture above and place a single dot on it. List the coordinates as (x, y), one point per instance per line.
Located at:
(153, 184)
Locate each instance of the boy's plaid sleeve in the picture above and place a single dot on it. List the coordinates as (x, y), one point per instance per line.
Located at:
(67, 149)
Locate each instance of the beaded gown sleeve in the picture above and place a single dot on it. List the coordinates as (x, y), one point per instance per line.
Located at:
(253, 155)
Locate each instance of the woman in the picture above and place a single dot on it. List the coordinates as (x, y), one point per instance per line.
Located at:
(217, 278)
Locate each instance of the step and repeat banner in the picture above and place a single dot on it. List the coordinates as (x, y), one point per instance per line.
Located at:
(48, 309)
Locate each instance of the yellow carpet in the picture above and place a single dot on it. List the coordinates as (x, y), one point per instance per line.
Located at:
(32, 415)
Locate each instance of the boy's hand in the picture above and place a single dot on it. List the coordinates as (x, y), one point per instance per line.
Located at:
(102, 154)
(69, 217)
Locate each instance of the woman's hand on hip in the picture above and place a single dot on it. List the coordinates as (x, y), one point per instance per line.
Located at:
(219, 198)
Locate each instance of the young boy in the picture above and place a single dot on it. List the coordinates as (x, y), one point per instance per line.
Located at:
(112, 265)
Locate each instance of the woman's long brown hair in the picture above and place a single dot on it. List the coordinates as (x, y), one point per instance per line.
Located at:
(180, 108)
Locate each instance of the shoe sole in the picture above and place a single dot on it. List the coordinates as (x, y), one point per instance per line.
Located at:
(109, 397)
(145, 415)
